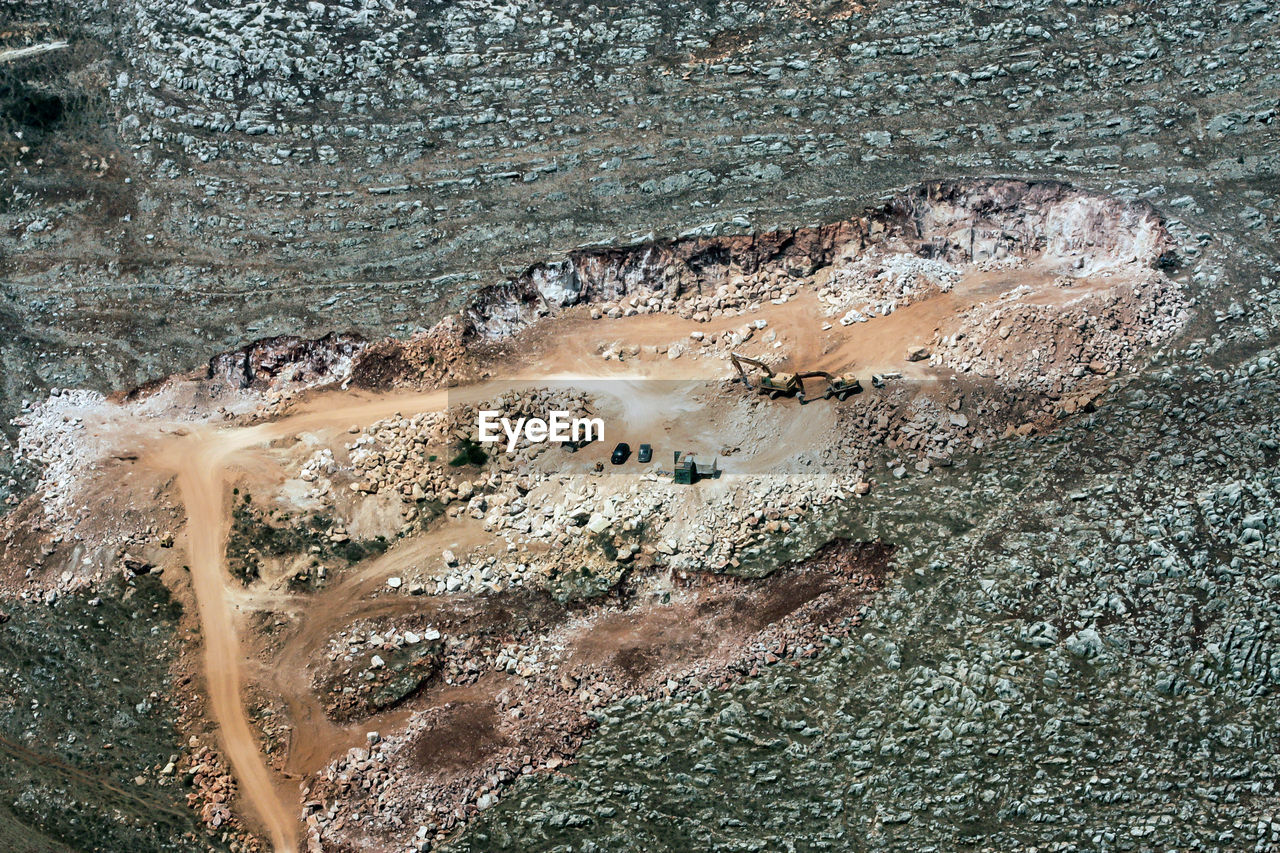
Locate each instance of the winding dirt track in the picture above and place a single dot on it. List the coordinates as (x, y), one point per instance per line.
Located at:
(200, 480)
(203, 462)
(206, 459)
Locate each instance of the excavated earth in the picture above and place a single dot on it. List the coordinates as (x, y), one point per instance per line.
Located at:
(465, 620)
(1066, 641)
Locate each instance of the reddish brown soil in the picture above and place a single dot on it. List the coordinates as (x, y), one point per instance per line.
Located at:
(715, 631)
(464, 734)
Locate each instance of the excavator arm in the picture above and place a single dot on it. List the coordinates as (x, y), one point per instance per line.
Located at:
(739, 360)
(773, 382)
(811, 374)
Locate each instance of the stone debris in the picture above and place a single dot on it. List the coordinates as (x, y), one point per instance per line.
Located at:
(52, 437)
(552, 699)
(357, 150)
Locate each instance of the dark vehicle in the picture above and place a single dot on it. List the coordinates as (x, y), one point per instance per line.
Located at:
(620, 453)
(645, 455)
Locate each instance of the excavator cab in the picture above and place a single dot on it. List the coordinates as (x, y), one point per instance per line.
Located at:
(780, 383)
(843, 386)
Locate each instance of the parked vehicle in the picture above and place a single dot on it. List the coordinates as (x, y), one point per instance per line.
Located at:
(620, 453)
(646, 454)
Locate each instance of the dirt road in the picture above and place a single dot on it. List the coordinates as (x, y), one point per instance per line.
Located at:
(203, 462)
(206, 459)
(200, 480)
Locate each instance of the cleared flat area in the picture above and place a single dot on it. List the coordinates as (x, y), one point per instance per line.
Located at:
(209, 460)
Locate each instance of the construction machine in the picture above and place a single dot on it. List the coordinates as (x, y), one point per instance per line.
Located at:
(686, 471)
(772, 382)
(836, 386)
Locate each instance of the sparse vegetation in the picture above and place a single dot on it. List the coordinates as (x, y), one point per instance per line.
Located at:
(469, 453)
(254, 538)
(69, 780)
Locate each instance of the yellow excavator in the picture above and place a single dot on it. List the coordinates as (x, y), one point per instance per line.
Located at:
(775, 383)
(839, 387)
(772, 382)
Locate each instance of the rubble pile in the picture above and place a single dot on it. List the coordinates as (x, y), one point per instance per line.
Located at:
(415, 456)
(427, 358)
(392, 454)
(454, 760)
(877, 282)
(730, 299)
(52, 437)
(375, 669)
(1047, 349)
(214, 787)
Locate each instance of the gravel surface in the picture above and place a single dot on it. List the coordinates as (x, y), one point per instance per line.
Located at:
(1078, 649)
(1078, 653)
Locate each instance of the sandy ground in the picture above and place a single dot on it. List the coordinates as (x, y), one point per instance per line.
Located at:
(207, 459)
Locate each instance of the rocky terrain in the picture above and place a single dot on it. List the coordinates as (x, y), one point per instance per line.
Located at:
(1063, 289)
(1077, 657)
(536, 697)
(214, 163)
(1073, 648)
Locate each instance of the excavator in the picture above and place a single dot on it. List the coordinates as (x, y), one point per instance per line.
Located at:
(839, 387)
(775, 383)
(771, 382)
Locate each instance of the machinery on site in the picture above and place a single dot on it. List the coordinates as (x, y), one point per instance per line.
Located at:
(775, 383)
(772, 382)
(687, 471)
(839, 387)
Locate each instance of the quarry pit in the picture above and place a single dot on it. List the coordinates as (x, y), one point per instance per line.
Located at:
(397, 622)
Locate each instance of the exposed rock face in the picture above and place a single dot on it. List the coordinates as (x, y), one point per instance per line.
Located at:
(287, 360)
(958, 221)
(1082, 232)
(665, 269)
